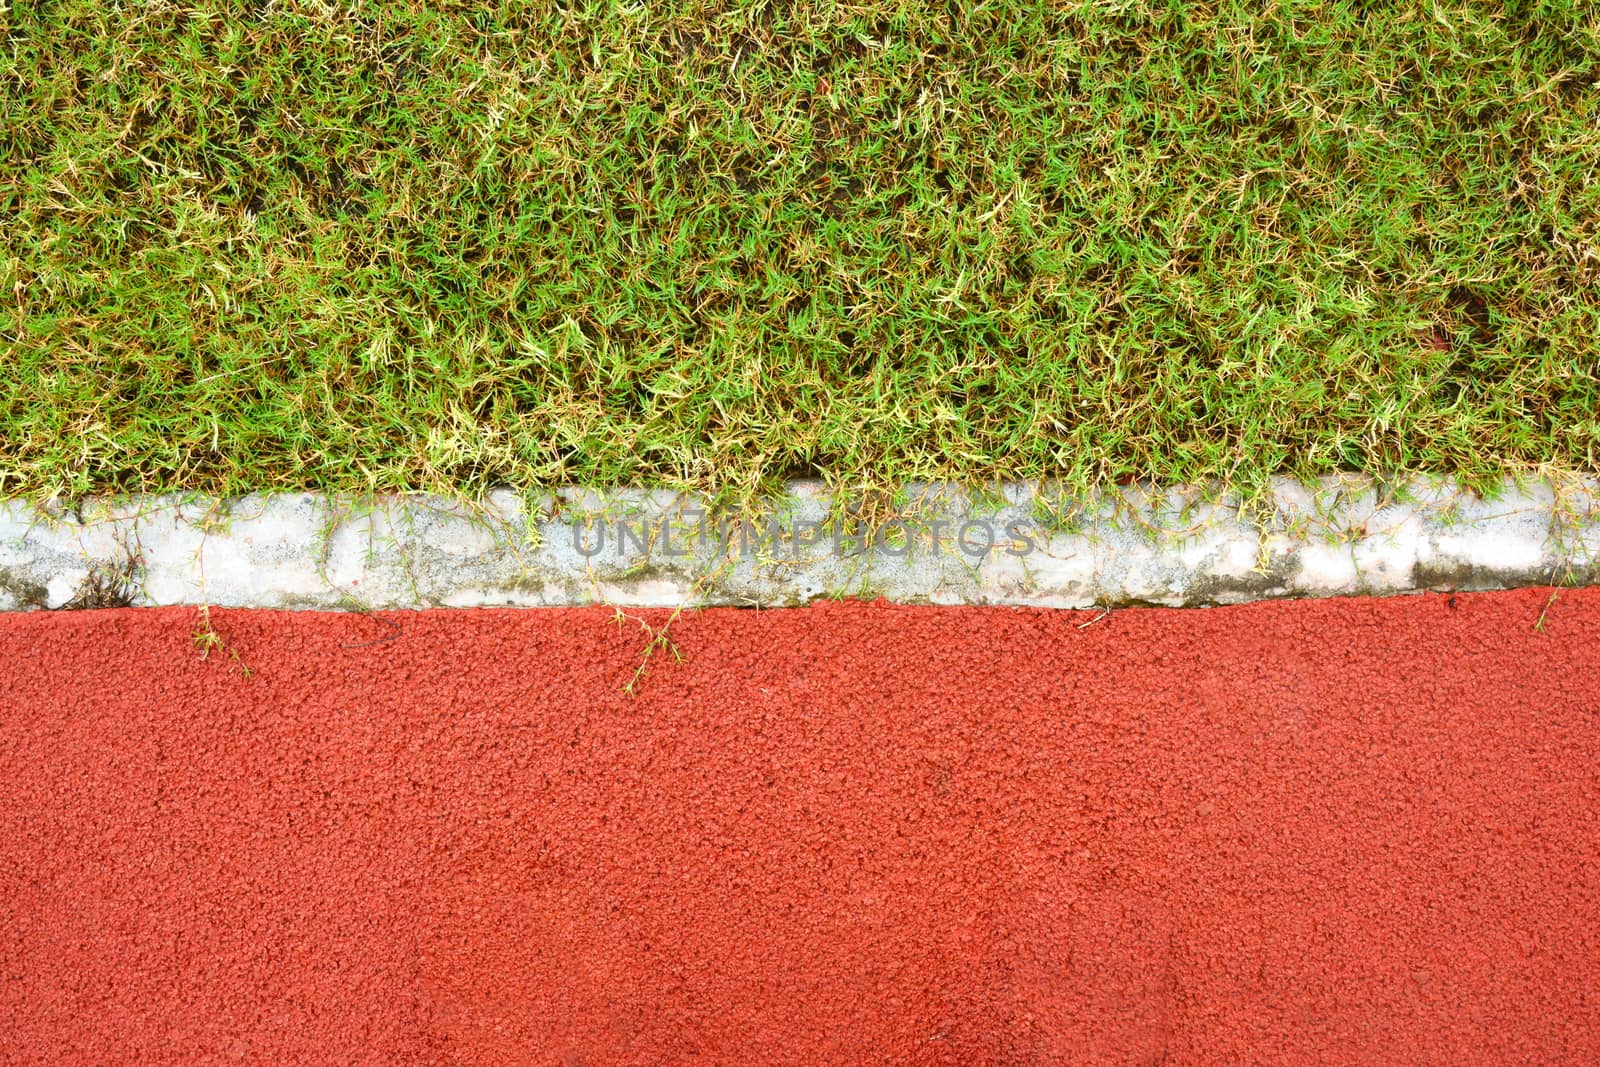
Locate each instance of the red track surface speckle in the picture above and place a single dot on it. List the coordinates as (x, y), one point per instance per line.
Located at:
(1339, 831)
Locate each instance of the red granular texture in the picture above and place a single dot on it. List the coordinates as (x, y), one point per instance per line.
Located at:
(1347, 831)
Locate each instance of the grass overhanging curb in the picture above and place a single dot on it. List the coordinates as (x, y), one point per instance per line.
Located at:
(387, 246)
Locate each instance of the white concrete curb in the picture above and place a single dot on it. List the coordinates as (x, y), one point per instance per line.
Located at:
(1018, 544)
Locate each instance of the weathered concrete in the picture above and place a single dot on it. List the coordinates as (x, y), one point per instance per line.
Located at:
(1018, 544)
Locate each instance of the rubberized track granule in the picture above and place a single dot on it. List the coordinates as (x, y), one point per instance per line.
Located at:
(1357, 831)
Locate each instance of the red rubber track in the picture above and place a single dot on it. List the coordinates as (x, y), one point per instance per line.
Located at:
(1351, 831)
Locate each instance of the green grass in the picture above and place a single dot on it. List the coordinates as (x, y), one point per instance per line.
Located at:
(287, 245)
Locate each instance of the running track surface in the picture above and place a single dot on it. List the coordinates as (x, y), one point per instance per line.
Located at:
(1340, 831)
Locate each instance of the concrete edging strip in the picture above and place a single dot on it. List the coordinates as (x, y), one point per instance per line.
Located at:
(1016, 544)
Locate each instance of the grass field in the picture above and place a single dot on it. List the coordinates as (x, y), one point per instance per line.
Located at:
(383, 245)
